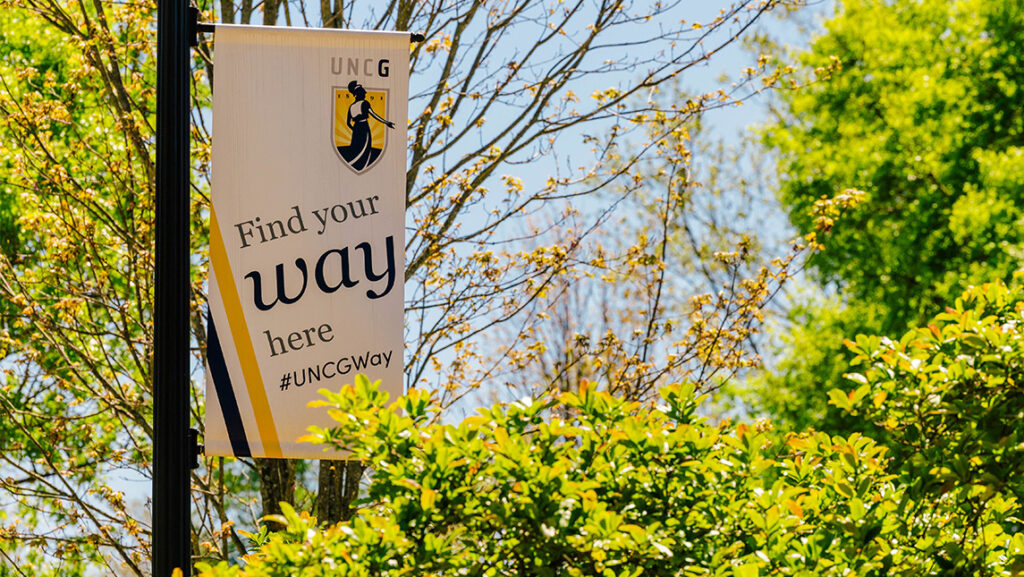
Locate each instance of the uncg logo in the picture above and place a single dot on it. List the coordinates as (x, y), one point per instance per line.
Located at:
(360, 125)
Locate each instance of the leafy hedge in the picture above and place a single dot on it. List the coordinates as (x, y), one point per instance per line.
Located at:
(589, 484)
(950, 397)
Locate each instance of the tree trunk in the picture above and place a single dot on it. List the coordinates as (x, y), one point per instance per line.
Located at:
(332, 18)
(339, 489)
(245, 17)
(270, 10)
(227, 11)
(277, 484)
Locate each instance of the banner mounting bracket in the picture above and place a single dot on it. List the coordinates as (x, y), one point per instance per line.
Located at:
(195, 449)
(195, 27)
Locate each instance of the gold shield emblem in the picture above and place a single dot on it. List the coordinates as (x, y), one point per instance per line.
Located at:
(360, 125)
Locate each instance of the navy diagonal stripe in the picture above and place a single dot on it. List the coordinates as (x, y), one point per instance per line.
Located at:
(225, 393)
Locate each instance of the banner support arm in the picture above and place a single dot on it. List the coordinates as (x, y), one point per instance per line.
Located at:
(196, 28)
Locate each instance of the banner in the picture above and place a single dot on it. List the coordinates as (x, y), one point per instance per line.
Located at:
(306, 229)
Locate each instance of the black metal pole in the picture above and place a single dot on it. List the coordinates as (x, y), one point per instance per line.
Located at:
(171, 358)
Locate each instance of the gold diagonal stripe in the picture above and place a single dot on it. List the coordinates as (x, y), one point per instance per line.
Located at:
(239, 331)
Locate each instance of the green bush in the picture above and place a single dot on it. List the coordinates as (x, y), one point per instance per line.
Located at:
(950, 395)
(608, 488)
(589, 484)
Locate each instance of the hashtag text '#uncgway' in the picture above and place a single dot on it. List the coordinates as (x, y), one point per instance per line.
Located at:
(335, 367)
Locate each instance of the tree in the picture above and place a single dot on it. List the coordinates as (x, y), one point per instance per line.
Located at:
(674, 291)
(74, 115)
(923, 117)
(502, 88)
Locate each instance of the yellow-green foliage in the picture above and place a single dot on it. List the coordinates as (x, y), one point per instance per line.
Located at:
(950, 396)
(586, 483)
(923, 115)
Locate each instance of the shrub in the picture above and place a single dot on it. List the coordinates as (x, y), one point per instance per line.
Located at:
(950, 397)
(586, 483)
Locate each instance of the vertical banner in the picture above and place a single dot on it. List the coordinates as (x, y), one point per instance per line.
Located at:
(306, 229)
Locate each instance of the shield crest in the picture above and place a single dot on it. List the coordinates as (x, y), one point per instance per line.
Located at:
(360, 125)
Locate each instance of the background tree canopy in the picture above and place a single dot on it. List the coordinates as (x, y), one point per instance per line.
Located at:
(924, 116)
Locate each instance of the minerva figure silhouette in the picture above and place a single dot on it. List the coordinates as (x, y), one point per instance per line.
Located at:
(360, 152)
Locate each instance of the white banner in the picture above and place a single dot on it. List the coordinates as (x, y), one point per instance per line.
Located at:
(306, 229)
